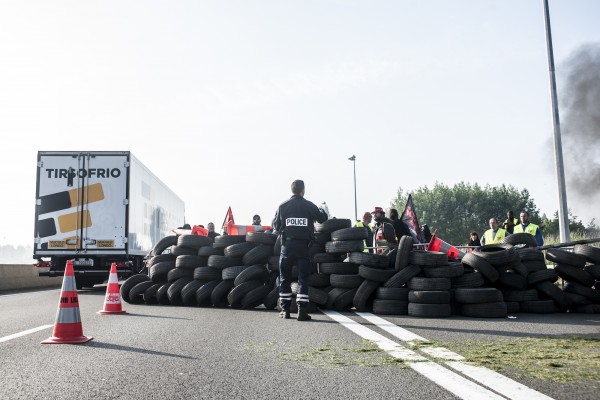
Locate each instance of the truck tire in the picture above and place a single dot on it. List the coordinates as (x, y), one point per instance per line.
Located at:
(130, 283)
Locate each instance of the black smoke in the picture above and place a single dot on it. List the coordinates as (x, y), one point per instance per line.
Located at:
(580, 124)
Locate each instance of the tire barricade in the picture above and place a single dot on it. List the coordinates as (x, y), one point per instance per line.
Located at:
(241, 271)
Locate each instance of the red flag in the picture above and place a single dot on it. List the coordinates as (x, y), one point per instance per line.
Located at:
(409, 218)
(228, 219)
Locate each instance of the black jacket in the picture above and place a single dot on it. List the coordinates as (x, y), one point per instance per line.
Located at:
(295, 218)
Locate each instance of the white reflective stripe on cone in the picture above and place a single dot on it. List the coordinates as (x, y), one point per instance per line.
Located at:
(68, 315)
(69, 284)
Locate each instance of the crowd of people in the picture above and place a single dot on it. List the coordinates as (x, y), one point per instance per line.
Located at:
(510, 226)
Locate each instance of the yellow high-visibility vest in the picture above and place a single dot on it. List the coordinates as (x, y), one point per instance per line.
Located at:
(531, 229)
(489, 237)
(360, 224)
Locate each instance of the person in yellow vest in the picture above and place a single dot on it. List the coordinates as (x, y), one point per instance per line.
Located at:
(366, 223)
(493, 235)
(527, 227)
(510, 222)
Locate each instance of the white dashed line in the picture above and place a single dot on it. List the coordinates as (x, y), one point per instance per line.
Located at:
(27, 332)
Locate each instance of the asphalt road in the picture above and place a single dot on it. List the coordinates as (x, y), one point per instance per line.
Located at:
(194, 353)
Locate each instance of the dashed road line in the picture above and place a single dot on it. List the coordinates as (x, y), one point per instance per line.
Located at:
(24, 333)
(491, 379)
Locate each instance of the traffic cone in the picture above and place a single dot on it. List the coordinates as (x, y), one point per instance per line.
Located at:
(67, 328)
(112, 301)
(437, 244)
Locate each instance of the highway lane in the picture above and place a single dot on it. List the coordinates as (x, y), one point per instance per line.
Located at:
(178, 352)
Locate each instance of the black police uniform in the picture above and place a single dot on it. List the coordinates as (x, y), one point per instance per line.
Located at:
(294, 220)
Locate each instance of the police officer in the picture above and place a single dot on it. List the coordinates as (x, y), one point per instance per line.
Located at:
(294, 221)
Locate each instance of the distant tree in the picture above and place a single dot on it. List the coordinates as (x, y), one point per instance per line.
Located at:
(456, 211)
(551, 226)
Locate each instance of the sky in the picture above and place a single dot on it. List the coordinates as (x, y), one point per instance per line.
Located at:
(228, 102)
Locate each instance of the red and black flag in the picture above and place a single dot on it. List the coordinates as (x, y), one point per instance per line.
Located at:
(228, 219)
(409, 218)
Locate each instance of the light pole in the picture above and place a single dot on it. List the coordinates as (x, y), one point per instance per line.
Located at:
(353, 159)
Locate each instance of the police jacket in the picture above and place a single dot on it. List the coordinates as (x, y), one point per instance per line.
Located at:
(295, 218)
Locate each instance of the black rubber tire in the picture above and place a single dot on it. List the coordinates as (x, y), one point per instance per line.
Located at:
(204, 292)
(484, 310)
(468, 280)
(319, 280)
(160, 271)
(560, 256)
(591, 253)
(429, 296)
(355, 233)
(161, 258)
(538, 306)
(476, 295)
(498, 255)
(376, 274)
(230, 273)
(390, 307)
(576, 299)
(162, 296)
(238, 249)
(235, 296)
(223, 262)
(385, 293)
(344, 300)
(576, 288)
(317, 296)
(421, 283)
(512, 280)
(149, 295)
(326, 257)
(369, 259)
(341, 268)
(253, 273)
(333, 224)
(428, 258)
(177, 273)
(513, 307)
(520, 269)
(405, 247)
(194, 241)
(346, 281)
(258, 255)
(480, 264)
(594, 271)
(130, 283)
(190, 262)
(136, 293)
(548, 275)
(262, 238)
(429, 310)
(208, 274)
(453, 270)
(402, 277)
(529, 254)
(255, 297)
(554, 292)
(184, 251)
(364, 294)
(520, 238)
(574, 274)
(218, 297)
(346, 246)
(163, 244)
(534, 265)
(188, 292)
(271, 299)
(210, 251)
(174, 291)
(227, 240)
(520, 295)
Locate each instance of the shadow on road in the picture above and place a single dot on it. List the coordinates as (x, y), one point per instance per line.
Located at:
(111, 346)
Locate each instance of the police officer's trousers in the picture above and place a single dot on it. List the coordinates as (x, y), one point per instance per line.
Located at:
(293, 252)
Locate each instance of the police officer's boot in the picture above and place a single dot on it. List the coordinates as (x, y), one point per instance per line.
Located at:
(302, 314)
(285, 309)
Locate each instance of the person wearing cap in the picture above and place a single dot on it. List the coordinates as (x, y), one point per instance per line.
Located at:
(366, 223)
(383, 231)
(294, 221)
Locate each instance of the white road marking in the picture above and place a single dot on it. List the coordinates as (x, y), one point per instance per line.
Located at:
(499, 383)
(27, 332)
(28, 293)
(495, 381)
(411, 338)
(451, 381)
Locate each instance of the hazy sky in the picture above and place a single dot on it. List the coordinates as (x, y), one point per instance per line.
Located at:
(229, 101)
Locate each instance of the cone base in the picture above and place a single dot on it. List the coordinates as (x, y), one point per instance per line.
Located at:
(73, 340)
(104, 312)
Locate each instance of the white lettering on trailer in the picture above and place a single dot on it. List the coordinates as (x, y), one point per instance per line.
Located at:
(296, 222)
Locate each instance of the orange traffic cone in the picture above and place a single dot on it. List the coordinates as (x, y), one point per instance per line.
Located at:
(437, 244)
(112, 301)
(67, 328)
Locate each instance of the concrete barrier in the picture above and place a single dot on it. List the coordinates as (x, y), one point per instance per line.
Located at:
(25, 276)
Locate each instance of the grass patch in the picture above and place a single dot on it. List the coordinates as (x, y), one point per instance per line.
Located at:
(332, 355)
(549, 358)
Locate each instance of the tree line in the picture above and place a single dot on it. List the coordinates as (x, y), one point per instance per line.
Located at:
(456, 211)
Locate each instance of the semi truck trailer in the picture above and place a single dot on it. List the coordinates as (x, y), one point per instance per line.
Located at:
(97, 208)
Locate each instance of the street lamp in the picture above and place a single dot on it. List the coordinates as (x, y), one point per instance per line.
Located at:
(353, 159)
